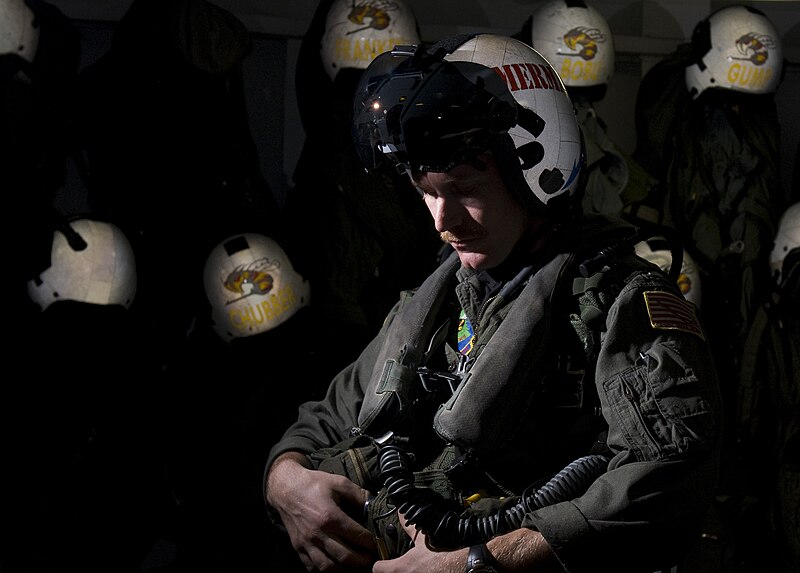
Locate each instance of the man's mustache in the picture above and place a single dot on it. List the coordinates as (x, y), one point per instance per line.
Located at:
(461, 235)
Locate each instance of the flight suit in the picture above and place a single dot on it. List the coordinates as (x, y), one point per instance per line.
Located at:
(519, 413)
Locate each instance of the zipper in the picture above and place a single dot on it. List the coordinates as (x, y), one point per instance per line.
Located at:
(483, 308)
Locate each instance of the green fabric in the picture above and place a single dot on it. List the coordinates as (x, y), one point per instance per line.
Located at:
(502, 416)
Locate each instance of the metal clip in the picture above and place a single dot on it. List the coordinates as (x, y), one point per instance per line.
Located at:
(435, 382)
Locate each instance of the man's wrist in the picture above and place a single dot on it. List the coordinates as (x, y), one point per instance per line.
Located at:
(481, 560)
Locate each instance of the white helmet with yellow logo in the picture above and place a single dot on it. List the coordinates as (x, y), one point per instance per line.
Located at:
(576, 40)
(736, 48)
(18, 32)
(356, 31)
(91, 262)
(657, 251)
(251, 286)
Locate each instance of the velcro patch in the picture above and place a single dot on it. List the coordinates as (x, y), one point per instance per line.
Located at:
(668, 311)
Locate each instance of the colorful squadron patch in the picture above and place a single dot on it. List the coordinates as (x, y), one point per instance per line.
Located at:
(584, 40)
(466, 335)
(755, 47)
(371, 14)
(252, 278)
(671, 312)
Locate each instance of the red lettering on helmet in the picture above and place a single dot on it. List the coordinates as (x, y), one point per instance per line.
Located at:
(528, 76)
(525, 78)
(508, 76)
(539, 79)
(551, 76)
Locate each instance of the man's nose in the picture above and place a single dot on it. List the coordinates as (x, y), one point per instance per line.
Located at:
(446, 213)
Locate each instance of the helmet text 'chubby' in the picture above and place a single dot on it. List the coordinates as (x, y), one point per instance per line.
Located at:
(269, 309)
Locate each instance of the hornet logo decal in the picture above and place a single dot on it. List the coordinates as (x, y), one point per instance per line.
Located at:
(252, 278)
(755, 47)
(586, 39)
(377, 12)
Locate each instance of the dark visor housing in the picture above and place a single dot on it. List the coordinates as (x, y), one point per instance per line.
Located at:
(428, 114)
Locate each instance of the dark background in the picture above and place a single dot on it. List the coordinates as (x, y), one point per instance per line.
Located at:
(644, 32)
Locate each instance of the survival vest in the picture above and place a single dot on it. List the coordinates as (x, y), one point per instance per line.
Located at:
(494, 397)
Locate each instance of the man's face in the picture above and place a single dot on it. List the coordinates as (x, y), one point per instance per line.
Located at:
(474, 212)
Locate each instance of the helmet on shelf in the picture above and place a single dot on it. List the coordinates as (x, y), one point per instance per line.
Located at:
(356, 31)
(251, 286)
(736, 48)
(576, 39)
(657, 251)
(91, 262)
(19, 33)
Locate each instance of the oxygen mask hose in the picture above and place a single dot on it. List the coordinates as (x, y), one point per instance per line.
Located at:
(443, 521)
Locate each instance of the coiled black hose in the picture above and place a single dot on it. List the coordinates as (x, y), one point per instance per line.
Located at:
(440, 519)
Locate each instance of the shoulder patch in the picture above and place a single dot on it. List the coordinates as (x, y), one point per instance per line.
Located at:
(668, 311)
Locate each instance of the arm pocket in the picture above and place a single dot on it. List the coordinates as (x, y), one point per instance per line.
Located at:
(656, 408)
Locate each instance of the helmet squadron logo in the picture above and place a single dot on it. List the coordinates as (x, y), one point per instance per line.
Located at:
(376, 12)
(256, 279)
(754, 49)
(586, 39)
(252, 278)
(382, 32)
(584, 44)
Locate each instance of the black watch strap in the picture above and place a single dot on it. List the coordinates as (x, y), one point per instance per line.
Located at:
(480, 559)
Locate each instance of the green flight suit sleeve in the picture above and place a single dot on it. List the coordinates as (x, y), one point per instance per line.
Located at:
(324, 423)
(659, 394)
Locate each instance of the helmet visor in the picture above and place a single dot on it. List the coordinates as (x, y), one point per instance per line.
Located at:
(428, 114)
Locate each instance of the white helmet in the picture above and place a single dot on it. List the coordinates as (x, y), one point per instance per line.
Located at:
(735, 48)
(576, 40)
(431, 110)
(91, 262)
(356, 31)
(786, 240)
(18, 33)
(656, 250)
(252, 286)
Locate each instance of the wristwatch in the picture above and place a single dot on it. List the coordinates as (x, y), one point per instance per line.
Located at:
(481, 560)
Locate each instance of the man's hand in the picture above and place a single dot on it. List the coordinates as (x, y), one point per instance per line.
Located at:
(421, 559)
(314, 507)
(521, 550)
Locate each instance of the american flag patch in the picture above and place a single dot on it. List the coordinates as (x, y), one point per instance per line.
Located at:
(668, 311)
